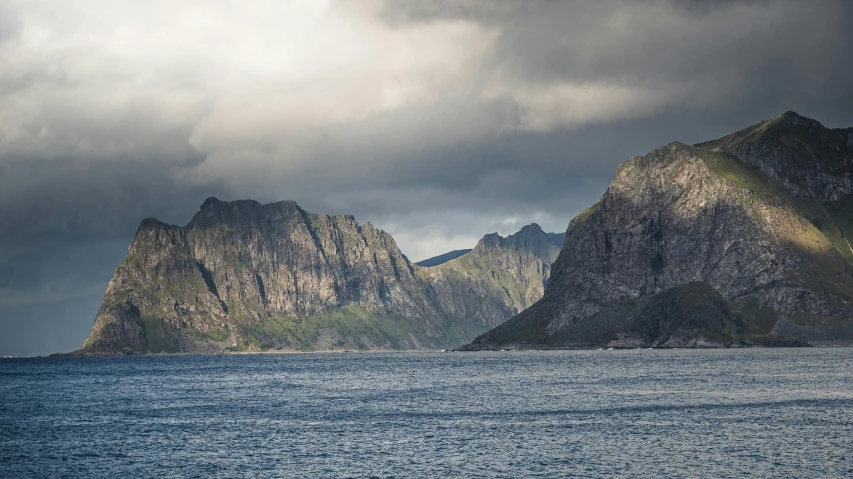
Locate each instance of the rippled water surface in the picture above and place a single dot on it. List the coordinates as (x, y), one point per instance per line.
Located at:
(639, 413)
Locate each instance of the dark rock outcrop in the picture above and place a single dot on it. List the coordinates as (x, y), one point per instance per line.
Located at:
(688, 315)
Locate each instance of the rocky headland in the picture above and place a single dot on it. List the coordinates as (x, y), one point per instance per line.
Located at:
(744, 240)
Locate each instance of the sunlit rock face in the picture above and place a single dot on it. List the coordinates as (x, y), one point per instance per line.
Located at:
(762, 217)
(243, 276)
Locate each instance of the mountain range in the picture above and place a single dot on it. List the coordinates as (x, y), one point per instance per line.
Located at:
(739, 241)
(245, 276)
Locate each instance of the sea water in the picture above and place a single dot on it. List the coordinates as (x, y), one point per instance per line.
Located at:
(629, 413)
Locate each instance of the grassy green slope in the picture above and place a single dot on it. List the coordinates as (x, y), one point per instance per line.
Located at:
(817, 230)
(336, 329)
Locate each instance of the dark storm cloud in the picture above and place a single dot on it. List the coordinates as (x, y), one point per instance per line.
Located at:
(88, 200)
(705, 49)
(440, 121)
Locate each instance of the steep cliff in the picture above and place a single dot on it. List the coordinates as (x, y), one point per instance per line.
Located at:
(243, 276)
(761, 217)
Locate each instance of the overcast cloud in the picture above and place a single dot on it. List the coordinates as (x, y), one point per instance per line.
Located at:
(438, 121)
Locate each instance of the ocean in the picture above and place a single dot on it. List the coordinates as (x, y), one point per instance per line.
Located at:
(590, 414)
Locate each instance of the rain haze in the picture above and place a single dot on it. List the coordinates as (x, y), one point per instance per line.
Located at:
(437, 121)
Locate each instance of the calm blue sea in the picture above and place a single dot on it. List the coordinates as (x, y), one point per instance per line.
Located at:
(638, 413)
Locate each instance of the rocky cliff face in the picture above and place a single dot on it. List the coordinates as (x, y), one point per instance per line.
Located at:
(246, 276)
(761, 217)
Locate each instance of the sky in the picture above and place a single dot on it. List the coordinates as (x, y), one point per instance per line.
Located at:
(438, 121)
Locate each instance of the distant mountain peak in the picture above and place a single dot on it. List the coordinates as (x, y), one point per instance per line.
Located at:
(530, 237)
(532, 230)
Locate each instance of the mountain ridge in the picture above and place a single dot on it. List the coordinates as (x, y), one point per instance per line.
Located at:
(443, 258)
(246, 276)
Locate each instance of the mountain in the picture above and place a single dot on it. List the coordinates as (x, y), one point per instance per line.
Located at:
(741, 240)
(242, 276)
(443, 258)
(498, 279)
(556, 238)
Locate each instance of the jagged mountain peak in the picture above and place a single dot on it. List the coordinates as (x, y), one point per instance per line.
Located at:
(530, 237)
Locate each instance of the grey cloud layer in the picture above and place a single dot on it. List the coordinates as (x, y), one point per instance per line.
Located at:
(440, 121)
